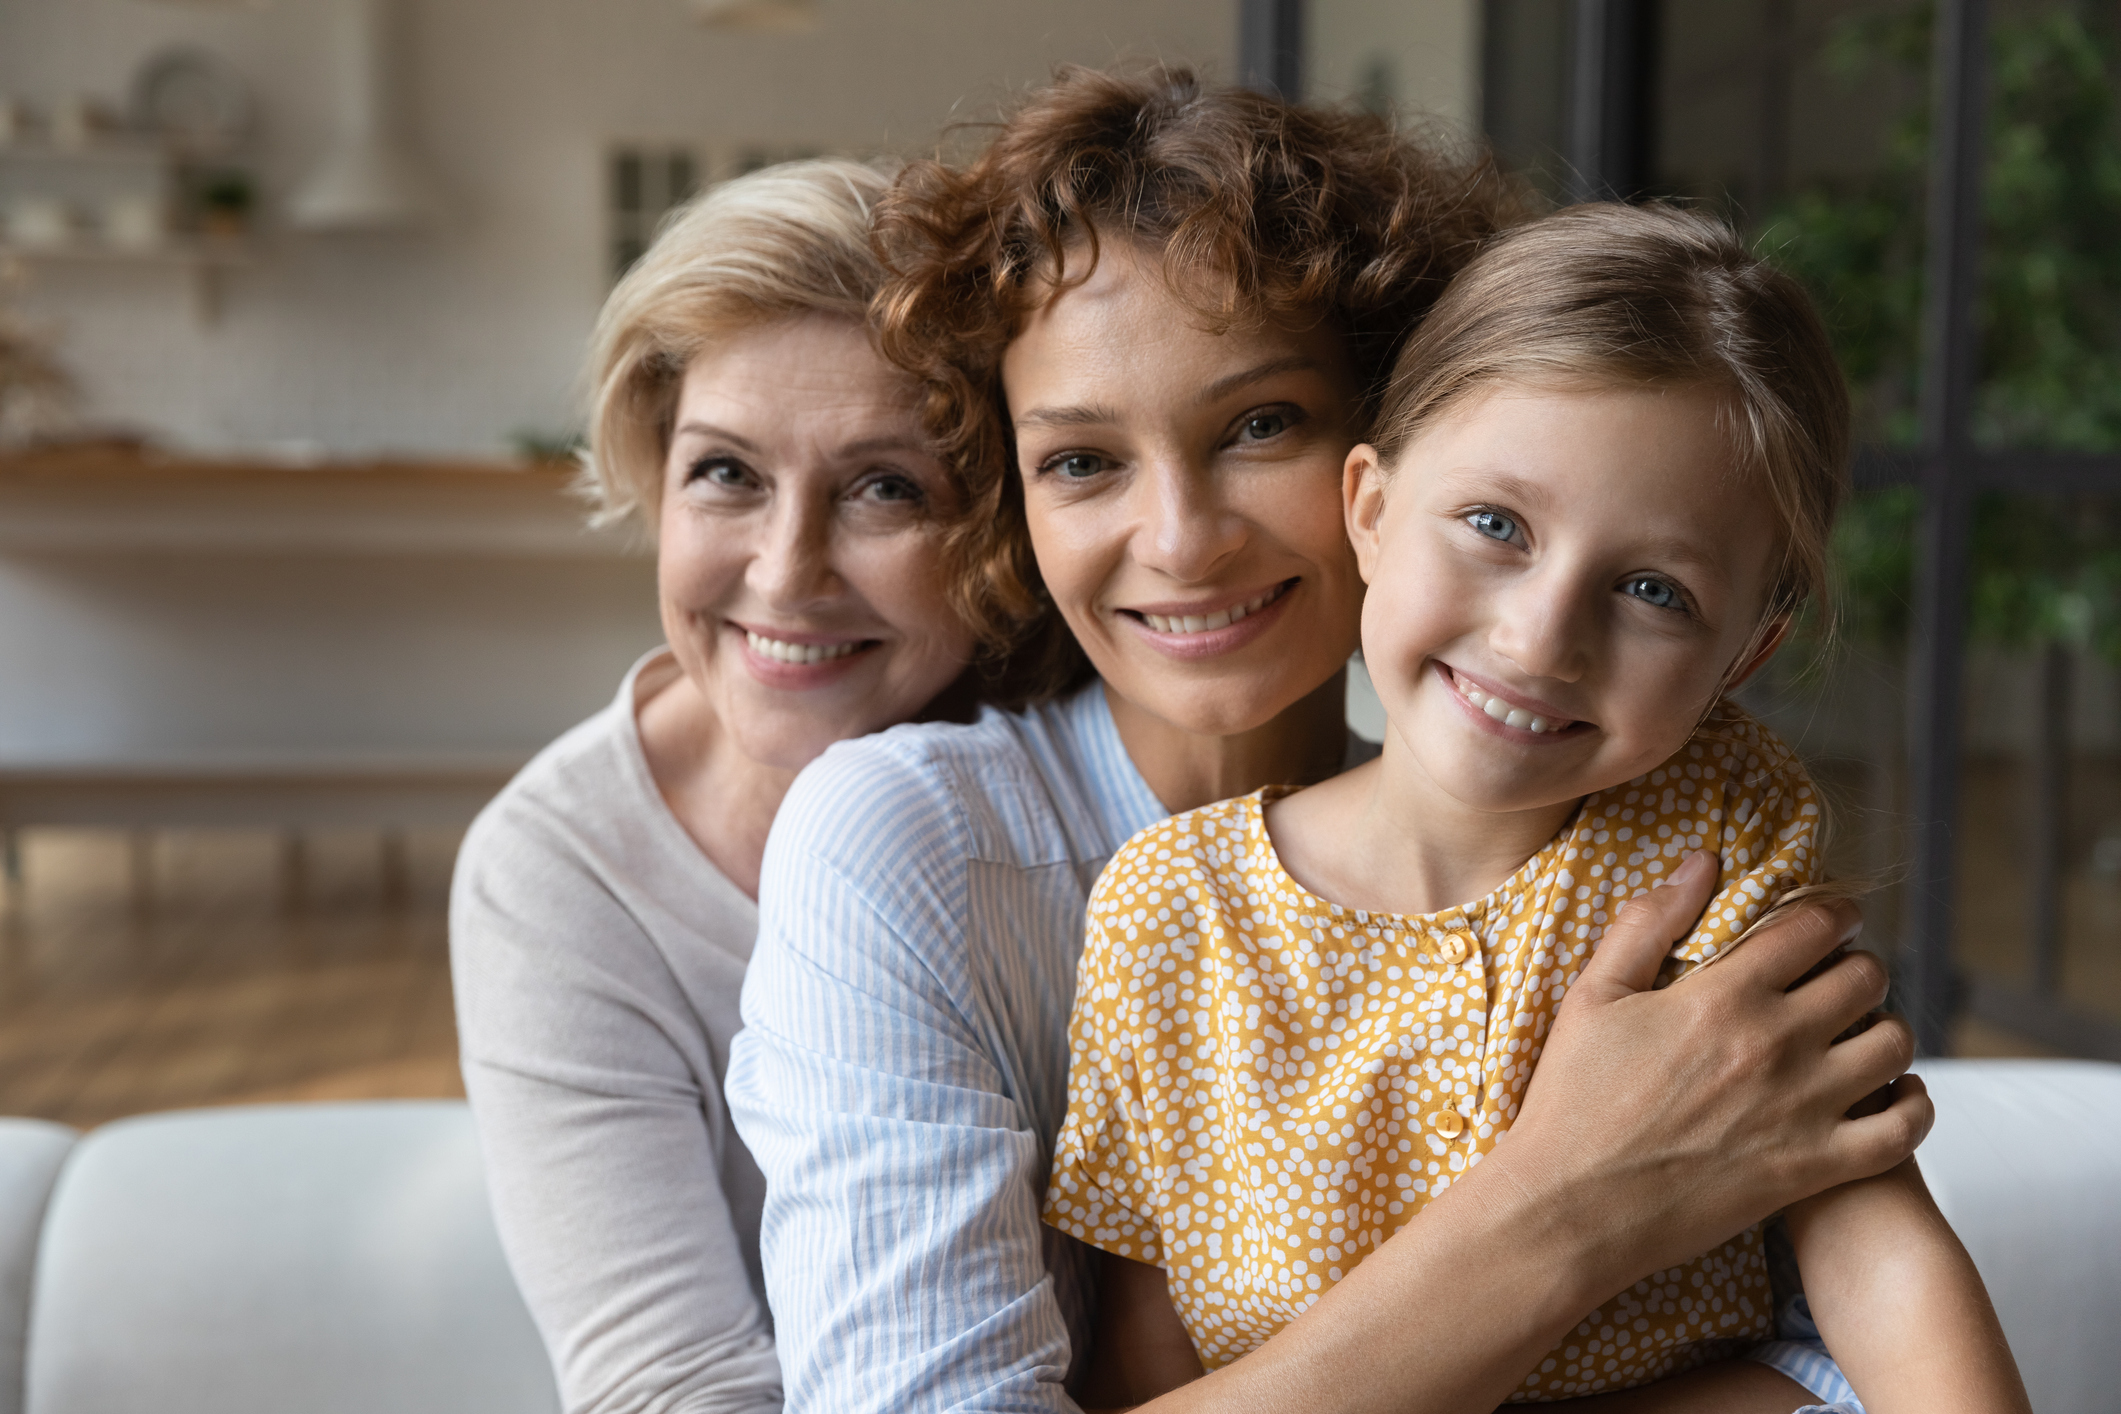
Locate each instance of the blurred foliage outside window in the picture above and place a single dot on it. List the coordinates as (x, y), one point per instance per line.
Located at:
(2045, 568)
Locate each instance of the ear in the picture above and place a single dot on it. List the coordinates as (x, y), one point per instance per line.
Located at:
(1764, 645)
(1362, 491)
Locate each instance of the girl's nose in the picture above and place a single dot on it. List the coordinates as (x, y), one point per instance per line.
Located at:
(792, 568)
(1183, 528)
(1545, 626)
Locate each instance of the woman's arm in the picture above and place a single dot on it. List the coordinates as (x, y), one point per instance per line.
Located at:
(1899, 1303)
(606, 1156)
(881, 1080)
(1658, 1124)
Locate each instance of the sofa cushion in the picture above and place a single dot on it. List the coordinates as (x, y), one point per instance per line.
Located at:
(2026, 1163)
(256, 1260)
(31, 1152)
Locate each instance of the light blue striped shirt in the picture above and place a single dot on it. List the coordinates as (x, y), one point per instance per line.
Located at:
(903, 1065)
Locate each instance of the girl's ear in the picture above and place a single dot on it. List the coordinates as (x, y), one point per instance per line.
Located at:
(1362, 491)
(1765, 642)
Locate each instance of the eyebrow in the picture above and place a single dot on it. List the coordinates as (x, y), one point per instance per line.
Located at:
(1223, 387)
(1667, 551)
(867, 446)
(1081, 415)
(1098, 414)
(708, 429)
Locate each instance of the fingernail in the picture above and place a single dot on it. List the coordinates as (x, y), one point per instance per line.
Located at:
(1692, 866)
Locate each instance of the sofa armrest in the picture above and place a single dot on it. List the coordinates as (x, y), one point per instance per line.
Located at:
(329, 1258)
(31, 1152)
(2026, 1163)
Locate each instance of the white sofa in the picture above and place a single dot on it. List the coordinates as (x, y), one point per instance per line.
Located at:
(315, 1259)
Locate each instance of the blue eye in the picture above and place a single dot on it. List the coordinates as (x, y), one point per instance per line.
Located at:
(1493, 524)
(1654, 592)
(721, 471)
(1264, 425)
(1077, 465)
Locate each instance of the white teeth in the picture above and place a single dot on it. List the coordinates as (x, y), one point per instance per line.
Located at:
(1503, 712)
(782, 651)
(1208, 623)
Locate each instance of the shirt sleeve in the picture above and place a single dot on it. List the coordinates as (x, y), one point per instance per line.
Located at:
(1104, 1190)
(1757, 807)
(607, 1151)
(904, 1257)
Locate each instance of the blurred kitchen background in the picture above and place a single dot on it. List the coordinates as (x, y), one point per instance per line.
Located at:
(292, 295)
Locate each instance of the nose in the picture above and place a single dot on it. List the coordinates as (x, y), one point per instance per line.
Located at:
(791, 567)
(1183, 527)
(1546, 623)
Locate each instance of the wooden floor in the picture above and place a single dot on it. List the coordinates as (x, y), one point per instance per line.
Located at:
(230, 973)
(213, 968)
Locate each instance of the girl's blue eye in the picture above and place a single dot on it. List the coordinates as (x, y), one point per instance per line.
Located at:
(1493, 524)
(1654, 592)
(1079, 465)
(1264, 425)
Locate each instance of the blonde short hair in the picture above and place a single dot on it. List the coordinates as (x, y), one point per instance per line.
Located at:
(789, 240)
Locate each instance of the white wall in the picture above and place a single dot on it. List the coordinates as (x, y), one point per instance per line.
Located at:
(1429, 51)
(447, 343)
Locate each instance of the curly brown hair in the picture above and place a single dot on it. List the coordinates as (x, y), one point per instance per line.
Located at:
(1263, 211)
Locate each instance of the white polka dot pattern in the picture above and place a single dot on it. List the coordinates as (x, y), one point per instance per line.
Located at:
(1265, 1085)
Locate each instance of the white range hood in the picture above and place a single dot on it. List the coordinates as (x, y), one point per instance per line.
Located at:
(370, 181)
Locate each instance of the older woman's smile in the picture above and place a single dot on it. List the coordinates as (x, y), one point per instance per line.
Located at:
(788, 646)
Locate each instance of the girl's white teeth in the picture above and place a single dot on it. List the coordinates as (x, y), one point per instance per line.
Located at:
(1503, 712)
(782, 651)
(1203, 623)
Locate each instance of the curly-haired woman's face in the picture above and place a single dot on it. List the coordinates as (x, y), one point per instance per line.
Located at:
(797, 554)
(1183, 494)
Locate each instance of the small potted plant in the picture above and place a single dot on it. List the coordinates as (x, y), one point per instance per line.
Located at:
(225, 202)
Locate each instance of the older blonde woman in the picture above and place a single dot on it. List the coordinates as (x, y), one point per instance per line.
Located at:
(603, 910)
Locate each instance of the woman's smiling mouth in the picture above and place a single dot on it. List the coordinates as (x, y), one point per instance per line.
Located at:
(1208, 623)
(782, 650)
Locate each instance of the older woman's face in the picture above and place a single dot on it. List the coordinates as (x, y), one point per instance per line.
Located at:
(801, 516)
(1183, 494)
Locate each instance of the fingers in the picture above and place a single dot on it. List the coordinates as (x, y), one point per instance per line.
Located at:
(1635, 944)
(1847, 989)
(1861, 1064)
(1862, 1147)
(1792, 945)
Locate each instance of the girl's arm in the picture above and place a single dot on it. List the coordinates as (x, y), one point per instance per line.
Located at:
(1899, 1303)
(1658, 1123)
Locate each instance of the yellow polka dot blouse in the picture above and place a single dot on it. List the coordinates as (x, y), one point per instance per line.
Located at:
(1265, 1085)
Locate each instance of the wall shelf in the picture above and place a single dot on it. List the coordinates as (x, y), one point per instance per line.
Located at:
(96, 500)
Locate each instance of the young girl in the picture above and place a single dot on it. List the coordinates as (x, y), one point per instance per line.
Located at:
(1601, 485)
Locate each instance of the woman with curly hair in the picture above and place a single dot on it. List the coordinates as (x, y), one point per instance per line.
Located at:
(1152, 320)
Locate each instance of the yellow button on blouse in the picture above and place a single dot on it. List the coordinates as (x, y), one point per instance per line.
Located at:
(1449, 1123)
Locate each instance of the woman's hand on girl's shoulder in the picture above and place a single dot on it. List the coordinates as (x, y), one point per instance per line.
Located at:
(1671, 1119)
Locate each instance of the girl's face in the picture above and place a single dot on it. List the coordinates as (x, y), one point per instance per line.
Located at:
(1183, 494)
(797, 553)
(1560, 585)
